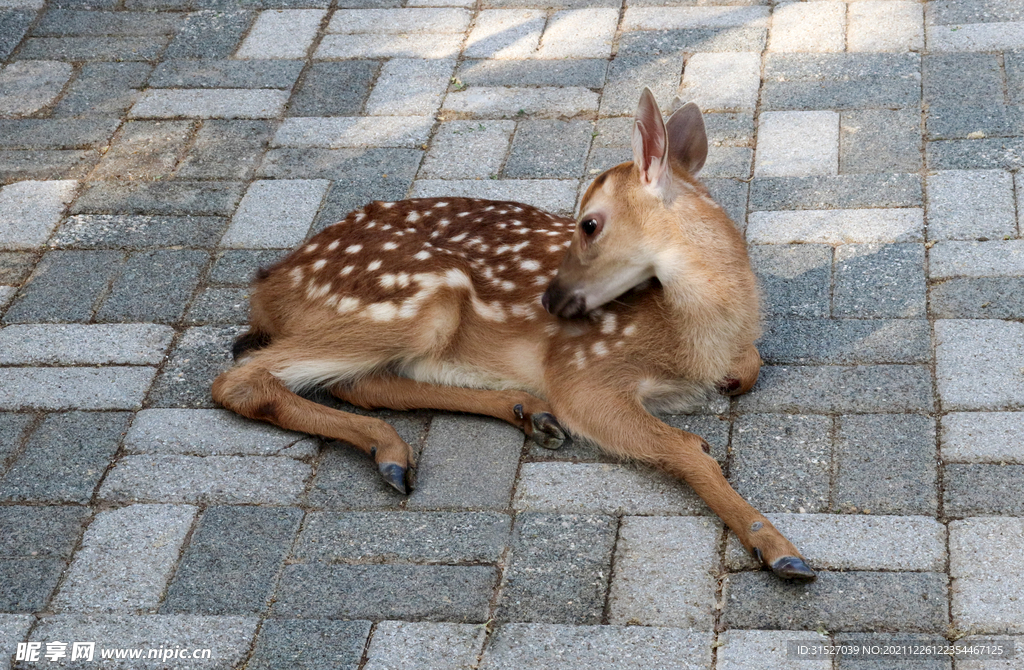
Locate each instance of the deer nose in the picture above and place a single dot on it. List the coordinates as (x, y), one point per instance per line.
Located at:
(566, 304)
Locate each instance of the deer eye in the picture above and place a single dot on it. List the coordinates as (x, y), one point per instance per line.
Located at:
(589, 227)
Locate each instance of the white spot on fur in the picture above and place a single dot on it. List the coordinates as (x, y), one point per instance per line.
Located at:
(555, 248)
(347, 270)
(296, 276)
(508, 286)
(463, 213)
(608, 323)
(540, 280)
(382, 311)
(389, 246)
(412, 217)
(354, 249)
(599, 349)
(629, 330)
(319, 265)
(460, 237)
(374, 266)
(348, 304)
(313, 291)
(360, 215)
(441, 204)
(522, 245)
(491, 311)
(457, 278)
(580, 359)
(386, 226)
(530, 266)
(443, 222)
(387, 281)
(333, 245)
(387, 205)
(422, 255)
(402, 279)
(502, 249)
(309, 248)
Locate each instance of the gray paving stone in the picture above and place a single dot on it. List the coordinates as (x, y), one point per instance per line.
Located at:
(402, 645)
(728, 162)
(841, 81)
(13, 629)
(984, 664)
(508, 102)
(535, 646)
(696, 40)
(175, 198)
(879, 281)
(7, 295)
(228, 638)
(286, 643)
(765, 650)
(801, 27)
(976, 154)
(585, 72)
(416, 537)
(468, 149)
(237, 267)
(120, 48)
(797, 144)
(855, 542)
(947, 122)
(467, 463)
(795, 279)
(665, 571)
(554, 195)
(225, 74)
(417, 45)
(908, 602)
(74, 388)
(880, 140)
(432, 20)
(65, 287)
(12, 430)
(505, 34)
(28, 86)
(128, 231)
(232, 560)
(978, 364)
(967, 205)
(863, 388)
(883, 26)
(974, 11)
(219, 306)
(334, 89)
(26, 583)
(211, 103)
(56, 134)
(597, 488)
(13, 25)
(850, 662)
(103, 89)
(30, 210)
(41, 532)
(628, 74)
(210, 34)
(782, 463)
(714, 429)
(127, 557)
(836, 226)
(423, 592)
(975, 37)
(980, 489)
(982, 437)
(997, 258)
(201, 354)
(961, 78)
(559, 569)
(552, 149)
(846, 341)
(45, 165)
(154, 286)
(229, 480)
(579, 33)
(226, 150)
(371, 176)
(282, 34)
(68, 23)
(885, 464)
(275, 213)
(720, 81)
(139, 344)
(211, 432)
(986, 584)
(842, 191)
(410, 87)
(731, 194)
(354, 131)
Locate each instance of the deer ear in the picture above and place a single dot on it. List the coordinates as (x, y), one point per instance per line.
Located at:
(650, 140)
(687, 139)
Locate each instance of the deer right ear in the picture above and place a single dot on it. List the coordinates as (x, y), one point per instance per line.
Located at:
(650, 141)
(687, 138)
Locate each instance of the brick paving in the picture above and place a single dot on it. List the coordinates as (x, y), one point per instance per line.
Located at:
(154, 153)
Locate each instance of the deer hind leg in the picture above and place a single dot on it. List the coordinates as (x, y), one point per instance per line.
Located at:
(742, 374)
(251, 389)
(621, 426)
(525, 411)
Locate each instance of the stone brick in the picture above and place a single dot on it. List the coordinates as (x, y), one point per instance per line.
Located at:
(837, 226)
(226, 150)
(128, 344)
(45, 165)
(122, 48)
(879, 281)
(841, 81)
(628, 74)
(986, 584)
(211, 432)
(698, 40)
(962, 79)
(200, 355)
(976, 154)
(885, 464)
(880, 25)
(597, 488)
(410, 86)
(910, 602)
(468, 149)
(355, 131)
(231, 563)
(12, 430)
(103, 89)
(639, 17)
(797, 144)
(846, 341)
(559, 569)
(210, 34)
(74, 388)
(782, 463)
(127, 231)
(275, 213)
(765, 650)
(66, 23)
(154, 286)
(980, 489)
(416, 45)
(30, 210)
(225, 74)
(211, 479)
(818, 26)
(404, 645)
(423, 592)
(820, 389)
(417, 537)
(493, 102)
(855, 542)
(722, 81)
(195, 198)
(65, 287)
(976, 37)
(237, 267)
(13, 629)
(965, 204)
(552, 149)
(982, 437)
(28, 86)
(554, 195)
(588, 73)
(369, 174)
(981, 298)
(41, 532)
(282, 34)
(731, 195)
(664, 572)
(881, 662)
(219, 306)
(334, 89)
(579, 33)
(880, 140)
(978, 364)
(959, 121)
(56, 134)
(13, 25)
(505, 33)
(714, 429)
(127, 557)
(997, 258)
(516, 646)
(796, 280)
(212, 103)
(842, 191)
(728, 162)
(945, 12)
(439, 20)
(286, 643)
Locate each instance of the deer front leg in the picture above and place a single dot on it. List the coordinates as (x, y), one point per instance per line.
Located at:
(620, 425)
(527, 412)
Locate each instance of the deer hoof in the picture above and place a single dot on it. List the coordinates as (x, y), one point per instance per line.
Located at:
(792, 568)
(729, 386)
(400, 478)
(547, 432)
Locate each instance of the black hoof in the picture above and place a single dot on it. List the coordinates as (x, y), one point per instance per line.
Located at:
(402, 479)
(793, 569)
(729, 386)
(547, 432)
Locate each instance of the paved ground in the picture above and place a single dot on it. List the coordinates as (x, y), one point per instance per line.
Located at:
(155, 152)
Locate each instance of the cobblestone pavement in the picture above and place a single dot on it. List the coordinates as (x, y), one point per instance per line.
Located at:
(153, 153)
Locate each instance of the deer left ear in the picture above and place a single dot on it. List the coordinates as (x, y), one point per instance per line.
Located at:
(650, 141)
(687, 138)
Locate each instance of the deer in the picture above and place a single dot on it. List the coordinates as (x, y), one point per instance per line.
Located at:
(646, 302)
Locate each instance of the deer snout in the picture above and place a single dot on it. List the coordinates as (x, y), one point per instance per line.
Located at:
(562, 302)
